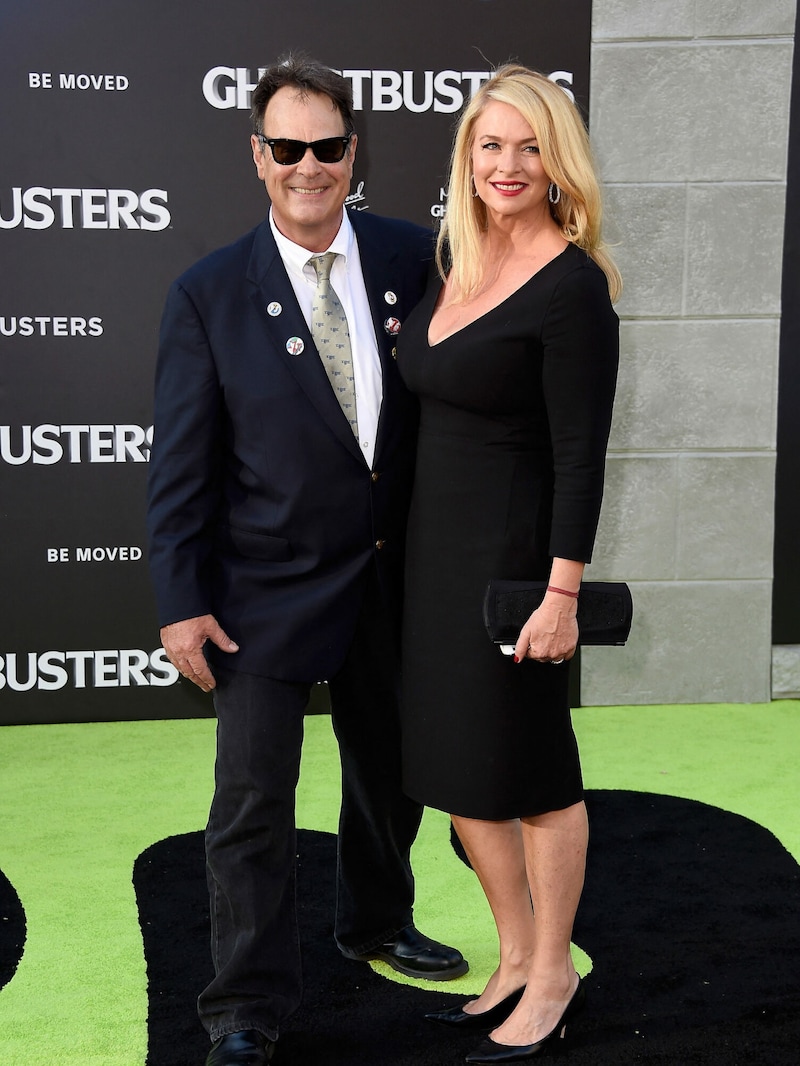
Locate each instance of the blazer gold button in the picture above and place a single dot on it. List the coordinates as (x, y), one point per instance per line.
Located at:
(374, 475)
(379, 544)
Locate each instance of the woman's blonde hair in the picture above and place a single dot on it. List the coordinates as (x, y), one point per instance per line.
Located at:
(567, 161)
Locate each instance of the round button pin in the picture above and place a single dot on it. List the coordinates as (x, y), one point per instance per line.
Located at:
(295, 345)
(390, 297)
(274, 309)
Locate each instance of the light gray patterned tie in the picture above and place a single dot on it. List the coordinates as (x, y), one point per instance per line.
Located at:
(332, 337)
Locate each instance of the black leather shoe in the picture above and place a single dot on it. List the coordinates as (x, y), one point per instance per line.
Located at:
(416, 955)
(490, 1051)
(487, 1019)
(248, 1047)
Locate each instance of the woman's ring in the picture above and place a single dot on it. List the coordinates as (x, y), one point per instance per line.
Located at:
(555, 662)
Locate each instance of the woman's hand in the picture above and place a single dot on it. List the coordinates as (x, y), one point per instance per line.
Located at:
(551, 633)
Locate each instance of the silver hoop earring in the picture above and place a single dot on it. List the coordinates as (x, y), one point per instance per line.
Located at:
(553, 193)
(474, 188)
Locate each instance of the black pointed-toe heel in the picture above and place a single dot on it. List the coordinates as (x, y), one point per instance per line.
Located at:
(490, 1051)
(487, 1019)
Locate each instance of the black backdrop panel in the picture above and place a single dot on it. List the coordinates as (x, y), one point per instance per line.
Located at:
(786, 589)
(125, 157)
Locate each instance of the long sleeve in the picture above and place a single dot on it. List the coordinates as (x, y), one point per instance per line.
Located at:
(581, 353)
(183, 487)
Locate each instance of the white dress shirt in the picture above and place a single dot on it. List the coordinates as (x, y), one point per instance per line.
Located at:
(347, 280)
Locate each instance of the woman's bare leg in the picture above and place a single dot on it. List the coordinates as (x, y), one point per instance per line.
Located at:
(555, 857)
(497, 855)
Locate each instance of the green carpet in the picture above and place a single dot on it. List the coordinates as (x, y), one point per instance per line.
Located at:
(81, 802)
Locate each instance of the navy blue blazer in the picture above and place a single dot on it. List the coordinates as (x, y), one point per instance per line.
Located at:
(261, 508)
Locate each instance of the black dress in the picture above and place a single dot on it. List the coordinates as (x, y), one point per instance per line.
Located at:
(515, 411)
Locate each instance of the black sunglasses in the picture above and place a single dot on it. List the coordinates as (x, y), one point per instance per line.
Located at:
(288, 152)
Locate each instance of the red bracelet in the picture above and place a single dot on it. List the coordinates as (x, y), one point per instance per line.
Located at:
(564, 592)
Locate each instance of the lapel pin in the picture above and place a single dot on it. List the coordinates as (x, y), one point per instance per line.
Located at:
(274, 309)
(295, 345)
(392, 326)
(394, 353)
(390, 297)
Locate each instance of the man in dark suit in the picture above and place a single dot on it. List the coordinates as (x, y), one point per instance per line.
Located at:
(276, 515)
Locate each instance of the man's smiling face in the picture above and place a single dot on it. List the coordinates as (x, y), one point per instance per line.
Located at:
(307, 197)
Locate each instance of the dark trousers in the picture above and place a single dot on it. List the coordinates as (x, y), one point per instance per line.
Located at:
(250, 838)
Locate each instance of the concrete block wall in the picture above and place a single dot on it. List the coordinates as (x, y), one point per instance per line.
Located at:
(689, 122)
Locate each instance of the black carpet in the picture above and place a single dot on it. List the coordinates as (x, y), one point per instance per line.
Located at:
(12, 930)
(690, 914)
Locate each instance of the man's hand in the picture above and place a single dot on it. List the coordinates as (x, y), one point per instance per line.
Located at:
(183, 642)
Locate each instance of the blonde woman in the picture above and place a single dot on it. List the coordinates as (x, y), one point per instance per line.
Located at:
(513, 355)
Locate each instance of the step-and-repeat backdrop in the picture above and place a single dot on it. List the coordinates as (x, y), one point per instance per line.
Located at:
(125, 130)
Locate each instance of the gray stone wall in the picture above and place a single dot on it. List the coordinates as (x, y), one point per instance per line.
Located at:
(689, 121)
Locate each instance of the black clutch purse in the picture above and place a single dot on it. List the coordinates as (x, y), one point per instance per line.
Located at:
(605, 610)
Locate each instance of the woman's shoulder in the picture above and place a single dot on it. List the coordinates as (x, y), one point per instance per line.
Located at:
(577, 276)
(577, 261)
